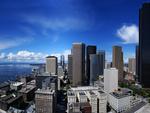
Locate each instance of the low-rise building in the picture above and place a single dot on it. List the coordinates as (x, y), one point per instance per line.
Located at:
(119, 101)
(16, 86)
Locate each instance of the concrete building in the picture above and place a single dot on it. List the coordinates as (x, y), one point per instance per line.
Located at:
(51, 64)
(44, 101)
(110, 80)
(102, 101)
(70, 64)
(78, 52)
(88, 94)
(16, 86)
(119, 101)
(93, 101)
(132, 65)
(82, 97)
(91, 49)
(117, 61)
(71, 97)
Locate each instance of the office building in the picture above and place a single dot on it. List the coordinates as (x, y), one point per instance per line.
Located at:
(94, 68)
(137, 63)
(119, 101)
(101, 61)
(78, 52)
(71, 97)
(110, 80)
(51, 65)
(62, 61)
(82, 96)
(144, 45)
(44, 101)
(91, 49)
(93, 101)
(132, 65)
(70, 64)
(60, 71)
(102, 101)
(117, 61)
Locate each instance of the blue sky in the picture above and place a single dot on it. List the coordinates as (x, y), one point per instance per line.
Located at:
(36, 28)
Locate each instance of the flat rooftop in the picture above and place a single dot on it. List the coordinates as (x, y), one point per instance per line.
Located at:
(136, 107)
(27, 89)
(81, 93)
(84, 88)
(44, 91)
(119, 95)
(17, 84)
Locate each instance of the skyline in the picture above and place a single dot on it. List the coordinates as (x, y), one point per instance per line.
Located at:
(32, 29)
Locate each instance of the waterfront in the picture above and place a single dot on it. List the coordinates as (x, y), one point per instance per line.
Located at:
(9, 71)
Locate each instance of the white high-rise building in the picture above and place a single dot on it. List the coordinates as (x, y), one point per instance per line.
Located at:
(110, 80)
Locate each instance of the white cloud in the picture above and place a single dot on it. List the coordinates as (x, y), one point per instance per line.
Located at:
(29, 55)
(26, 55)
(65, 53)
(57, 24)
(13, 42)
(129, 34)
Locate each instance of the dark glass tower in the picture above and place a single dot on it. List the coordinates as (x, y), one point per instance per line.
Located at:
(144, 45)
(90, 50)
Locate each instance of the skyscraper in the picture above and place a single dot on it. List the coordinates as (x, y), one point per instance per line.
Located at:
(101, 61)
(117, 61)
(94, 68)
(91, 49)
(132, 65)
(110, 80)
(144, 45)
(70, 61)
(137, 62)
(62, 61)
(78, 52)
(51, 64)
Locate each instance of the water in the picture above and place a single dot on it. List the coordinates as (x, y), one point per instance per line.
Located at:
(9, 71)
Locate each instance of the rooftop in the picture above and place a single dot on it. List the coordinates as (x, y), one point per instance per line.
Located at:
(119, 94)
(70, 93)
(44, 91)
(17, 83)
(27, 89)
(51, 57)
(136, 107)
(84, 88)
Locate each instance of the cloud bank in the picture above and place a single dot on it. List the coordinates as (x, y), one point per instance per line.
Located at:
(29, 55)
(129, 34)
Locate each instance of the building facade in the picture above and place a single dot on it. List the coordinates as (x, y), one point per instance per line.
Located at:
(44, 101)
(91, 49)
(144, 45)
(70, 64)
(110, 80)
(117, 61)
(132, 65)
(51, 64)
(78, 52)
